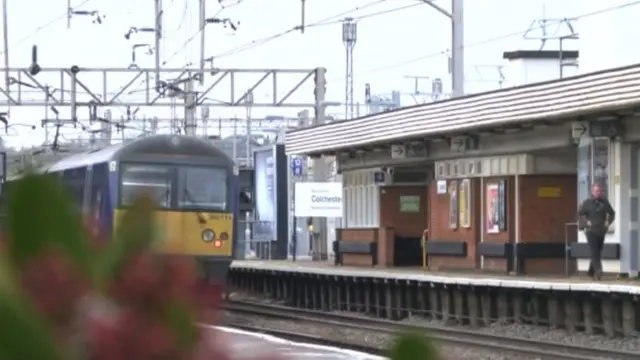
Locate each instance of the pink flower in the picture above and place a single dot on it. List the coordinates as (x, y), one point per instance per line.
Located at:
(53, 286)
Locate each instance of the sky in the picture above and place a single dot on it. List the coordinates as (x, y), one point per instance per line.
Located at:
(397, 39)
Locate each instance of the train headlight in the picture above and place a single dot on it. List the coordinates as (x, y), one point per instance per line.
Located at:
(224, 236)
(208, 235)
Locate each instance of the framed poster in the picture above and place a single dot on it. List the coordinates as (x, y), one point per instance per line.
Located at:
(464, 203)
(502, 205)
(491, 215)
(453, 204)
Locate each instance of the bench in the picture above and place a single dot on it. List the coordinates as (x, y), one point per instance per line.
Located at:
(342, 247)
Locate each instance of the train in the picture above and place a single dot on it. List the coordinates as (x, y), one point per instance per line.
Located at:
(194, 183)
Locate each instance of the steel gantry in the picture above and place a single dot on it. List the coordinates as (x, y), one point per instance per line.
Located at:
(136, 87)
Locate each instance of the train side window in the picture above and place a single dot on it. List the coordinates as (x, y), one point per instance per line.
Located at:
(74, 182)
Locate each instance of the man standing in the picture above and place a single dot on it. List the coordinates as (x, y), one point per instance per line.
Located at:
(596, 214)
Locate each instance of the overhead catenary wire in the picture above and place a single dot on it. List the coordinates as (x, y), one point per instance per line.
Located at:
(194, 35)
(331, 20)
(183, 17)
(490, 40)
(45, 26)
(322, 22)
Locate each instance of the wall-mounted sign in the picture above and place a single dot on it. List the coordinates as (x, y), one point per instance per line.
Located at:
(495, 206)
(398, 151)
(464, 199)
(441, 187)
(318, 199)
(453, 204)
(502, 205)
(297, 168)
(379, 177)
(549, 192)
(410, 203)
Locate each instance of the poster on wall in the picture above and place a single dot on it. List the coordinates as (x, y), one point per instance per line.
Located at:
(464, 201)
(453, 204)
(265, 226)
(502, 206)
(492, 212)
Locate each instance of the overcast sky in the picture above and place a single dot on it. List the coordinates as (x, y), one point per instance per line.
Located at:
(396, 38)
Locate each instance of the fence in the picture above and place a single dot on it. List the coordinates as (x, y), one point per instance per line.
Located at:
(256, 240)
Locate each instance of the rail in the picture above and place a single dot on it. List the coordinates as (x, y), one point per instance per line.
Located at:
(441, 334)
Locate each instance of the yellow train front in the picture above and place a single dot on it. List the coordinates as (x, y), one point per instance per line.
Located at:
(193, 182)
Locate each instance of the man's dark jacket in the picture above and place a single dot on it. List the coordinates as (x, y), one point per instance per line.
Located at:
(598, 212)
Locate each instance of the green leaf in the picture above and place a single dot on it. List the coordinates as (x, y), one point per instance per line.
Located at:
(412, 347)
(181, 323)
(135, 233)
(22, 334)
(38, 216)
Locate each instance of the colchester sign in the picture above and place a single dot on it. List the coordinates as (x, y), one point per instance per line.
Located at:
(318, 199)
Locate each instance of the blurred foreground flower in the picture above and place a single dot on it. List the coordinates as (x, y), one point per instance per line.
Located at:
(68, 294)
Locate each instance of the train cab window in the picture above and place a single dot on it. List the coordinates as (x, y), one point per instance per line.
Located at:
(203, 188)
(153, 180)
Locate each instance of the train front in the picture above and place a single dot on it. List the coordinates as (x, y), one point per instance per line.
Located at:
(194, 186)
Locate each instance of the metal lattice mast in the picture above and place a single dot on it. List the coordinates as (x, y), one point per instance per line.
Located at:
(349, 38)
(158, 38)
(248, 101)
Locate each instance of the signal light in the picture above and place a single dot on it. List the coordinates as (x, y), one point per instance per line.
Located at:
(217, 243)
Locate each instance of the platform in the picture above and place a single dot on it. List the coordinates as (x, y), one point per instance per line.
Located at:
(581, 284)
(240, 341)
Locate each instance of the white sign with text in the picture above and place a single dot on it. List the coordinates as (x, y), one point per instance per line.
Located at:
(318, 199)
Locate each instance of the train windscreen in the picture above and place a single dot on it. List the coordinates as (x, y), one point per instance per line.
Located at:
(177, 187)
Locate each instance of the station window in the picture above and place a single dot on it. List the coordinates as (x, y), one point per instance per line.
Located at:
(360, 198)
(595, 166)
(601, 164)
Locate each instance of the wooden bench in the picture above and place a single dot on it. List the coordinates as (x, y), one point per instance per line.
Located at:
(342, 247)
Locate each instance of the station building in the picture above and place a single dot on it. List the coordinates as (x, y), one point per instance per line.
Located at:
(493, 179)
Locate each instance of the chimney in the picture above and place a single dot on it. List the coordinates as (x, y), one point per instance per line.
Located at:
(534, 66)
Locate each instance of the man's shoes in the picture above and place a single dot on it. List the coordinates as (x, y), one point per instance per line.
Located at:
(598, 276)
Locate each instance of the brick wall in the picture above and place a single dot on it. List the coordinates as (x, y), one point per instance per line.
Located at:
(404, 223)
(544, 218)
(364, 235)
(439, 227)
(393, 222)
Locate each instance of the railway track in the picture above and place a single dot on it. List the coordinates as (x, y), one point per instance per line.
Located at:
(543, 350)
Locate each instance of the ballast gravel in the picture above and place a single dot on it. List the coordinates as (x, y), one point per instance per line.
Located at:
(359, 337)
(543, 333)
(540, 333)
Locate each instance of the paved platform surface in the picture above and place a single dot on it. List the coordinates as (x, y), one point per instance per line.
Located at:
(608, 285)
(250, 343)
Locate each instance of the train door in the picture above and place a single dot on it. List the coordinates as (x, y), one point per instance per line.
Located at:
(74, 182)
(99, 208)
(86, 211)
